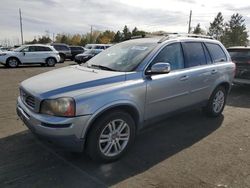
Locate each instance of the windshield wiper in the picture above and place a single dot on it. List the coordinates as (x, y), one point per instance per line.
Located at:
(103, 67)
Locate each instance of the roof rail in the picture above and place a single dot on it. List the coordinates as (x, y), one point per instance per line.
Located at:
(198, 36)
(176, 35)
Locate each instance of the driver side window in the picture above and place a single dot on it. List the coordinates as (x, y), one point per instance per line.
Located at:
(25, 49)
(171, 54)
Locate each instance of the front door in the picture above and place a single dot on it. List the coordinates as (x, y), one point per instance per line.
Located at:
(167, 92)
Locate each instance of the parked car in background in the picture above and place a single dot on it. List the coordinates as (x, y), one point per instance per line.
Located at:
(5, 48)
(64, 51)
(85, 56)
(75, 50)
(241, 57)
(97, 47)
(102, 104)
(30, 54)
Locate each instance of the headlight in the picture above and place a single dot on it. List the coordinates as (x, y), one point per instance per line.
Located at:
(2, 54)
(58, 107)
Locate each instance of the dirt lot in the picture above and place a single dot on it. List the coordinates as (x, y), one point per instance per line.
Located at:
(187, 150)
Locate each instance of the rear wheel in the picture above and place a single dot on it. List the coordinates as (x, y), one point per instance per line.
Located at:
(111, 136)
(50, 62)
(216, 102)
(12, 62)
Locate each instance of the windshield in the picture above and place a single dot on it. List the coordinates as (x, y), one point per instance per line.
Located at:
(89, 46)
(89, 52)
(123, 57)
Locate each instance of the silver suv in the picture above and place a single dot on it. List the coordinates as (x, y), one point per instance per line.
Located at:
(101, 105)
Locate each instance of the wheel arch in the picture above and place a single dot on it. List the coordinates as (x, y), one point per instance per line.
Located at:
(19, 61)
(129, 108)
(226, 85)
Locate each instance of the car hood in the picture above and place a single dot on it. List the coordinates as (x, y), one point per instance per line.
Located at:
(70, 80)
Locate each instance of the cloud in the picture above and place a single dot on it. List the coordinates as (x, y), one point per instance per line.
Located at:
(77, 16)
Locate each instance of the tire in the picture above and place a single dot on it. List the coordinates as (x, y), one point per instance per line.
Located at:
(12, 62)
(62, 58)
(50, 62)
(216, 102)
(111, 136)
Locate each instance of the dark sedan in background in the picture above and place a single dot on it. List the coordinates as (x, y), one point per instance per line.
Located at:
(87, 55)
(75, 50)
(241, 57)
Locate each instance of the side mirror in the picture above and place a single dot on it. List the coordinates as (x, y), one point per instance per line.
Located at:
(160, 68)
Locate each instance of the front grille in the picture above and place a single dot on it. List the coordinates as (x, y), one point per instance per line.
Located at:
(28, 99)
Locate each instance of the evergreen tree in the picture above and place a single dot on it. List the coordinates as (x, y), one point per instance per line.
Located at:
(126, 33)
(216, 27)
(235, 33)
(135, 32)
(197, 29)
(117, 37)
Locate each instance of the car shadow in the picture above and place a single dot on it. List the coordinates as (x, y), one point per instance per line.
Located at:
(239, 96)
(154, 145)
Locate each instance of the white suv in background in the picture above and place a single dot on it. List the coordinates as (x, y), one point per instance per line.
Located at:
(30, 54)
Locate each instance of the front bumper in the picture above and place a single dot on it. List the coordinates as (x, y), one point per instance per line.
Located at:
(60, 131)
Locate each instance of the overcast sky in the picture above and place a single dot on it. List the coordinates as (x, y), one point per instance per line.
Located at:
(63, 16)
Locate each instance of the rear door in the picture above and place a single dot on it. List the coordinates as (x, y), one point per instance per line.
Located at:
(43, 53)
(199, 70)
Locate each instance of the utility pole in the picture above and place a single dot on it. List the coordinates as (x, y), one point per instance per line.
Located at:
(91, 34)
(53, 37)
(189, 22)
(21, 25)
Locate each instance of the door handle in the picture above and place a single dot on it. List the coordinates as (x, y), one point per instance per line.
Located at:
(214, 71)
(183, 78)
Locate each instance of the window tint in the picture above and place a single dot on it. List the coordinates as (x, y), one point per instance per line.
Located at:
(42, 49)
(26, 49)
(171, 54)
(61, 47)
(216, 52)
(239, 54)
(208, 57)
(194, 54)
(56, 47)
(32, 49)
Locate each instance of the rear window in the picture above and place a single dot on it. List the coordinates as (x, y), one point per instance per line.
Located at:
(194, 54)
(238, 54)
(216, 52)
(42, 49)
(61, 47)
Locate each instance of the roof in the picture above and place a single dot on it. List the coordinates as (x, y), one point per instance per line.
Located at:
(36, 45)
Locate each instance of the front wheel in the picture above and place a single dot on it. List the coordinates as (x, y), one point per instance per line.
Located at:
(216, 102)
(12, 62)
(111, 136)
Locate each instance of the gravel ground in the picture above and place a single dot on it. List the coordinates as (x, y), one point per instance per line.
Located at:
(187, 150)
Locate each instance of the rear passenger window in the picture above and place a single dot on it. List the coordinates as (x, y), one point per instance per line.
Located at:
(171, 54)
(216, 52)
(194, 54)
